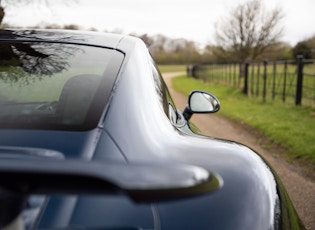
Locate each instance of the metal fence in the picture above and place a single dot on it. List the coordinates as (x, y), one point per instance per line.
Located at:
(291, 81)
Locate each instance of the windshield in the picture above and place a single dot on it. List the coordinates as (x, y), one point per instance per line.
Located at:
(45, 85)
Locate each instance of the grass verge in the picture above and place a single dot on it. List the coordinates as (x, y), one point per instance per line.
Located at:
(172, 68)
(286, 125)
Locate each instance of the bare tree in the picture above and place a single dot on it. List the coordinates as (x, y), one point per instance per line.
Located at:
(2, 12)
(249, 30)
(4, 4)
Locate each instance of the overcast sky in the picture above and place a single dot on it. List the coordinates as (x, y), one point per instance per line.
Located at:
(191, 19)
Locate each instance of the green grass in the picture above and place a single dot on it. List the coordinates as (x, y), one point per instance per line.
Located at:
(279, 84)
(290, 126)
(172, 68)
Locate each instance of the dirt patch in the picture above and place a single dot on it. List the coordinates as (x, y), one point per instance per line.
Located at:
(305, 169)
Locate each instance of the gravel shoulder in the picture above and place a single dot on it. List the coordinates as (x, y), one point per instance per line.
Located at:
(301, 189)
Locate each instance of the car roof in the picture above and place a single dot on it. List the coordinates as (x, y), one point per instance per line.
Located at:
(103, 39)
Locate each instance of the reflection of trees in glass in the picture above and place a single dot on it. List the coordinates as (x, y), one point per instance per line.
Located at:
(29, 59)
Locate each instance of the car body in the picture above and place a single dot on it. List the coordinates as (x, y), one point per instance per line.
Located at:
(90, 138)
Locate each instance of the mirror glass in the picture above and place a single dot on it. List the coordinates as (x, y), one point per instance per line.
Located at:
(201, 102)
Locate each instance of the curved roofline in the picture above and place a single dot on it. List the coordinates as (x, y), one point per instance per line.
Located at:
(101, 39)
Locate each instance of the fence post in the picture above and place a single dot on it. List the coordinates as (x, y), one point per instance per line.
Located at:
(230, 74)
(299, 83)
(258, 79)
(234, 75)
(285, 80)
(240, 75)
(252, 81)
(245, 91)
(274, 80)
(265, 81)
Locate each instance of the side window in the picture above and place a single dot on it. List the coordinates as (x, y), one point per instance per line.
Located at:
(165, 98)
(172, 114)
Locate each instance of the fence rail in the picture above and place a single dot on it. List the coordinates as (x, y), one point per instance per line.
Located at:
(291, 81)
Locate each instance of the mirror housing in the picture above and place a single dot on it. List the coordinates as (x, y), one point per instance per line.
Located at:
(201, 102)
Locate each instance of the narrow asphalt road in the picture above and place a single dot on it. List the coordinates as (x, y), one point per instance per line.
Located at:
(300, 189)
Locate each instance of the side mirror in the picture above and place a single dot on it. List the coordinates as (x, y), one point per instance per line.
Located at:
(201, 102)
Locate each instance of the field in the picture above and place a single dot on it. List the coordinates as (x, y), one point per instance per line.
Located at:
(290, 126)
(172, 68)
(267, 81)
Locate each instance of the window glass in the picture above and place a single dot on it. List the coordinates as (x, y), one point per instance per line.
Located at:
(165, 98)
(54, 85)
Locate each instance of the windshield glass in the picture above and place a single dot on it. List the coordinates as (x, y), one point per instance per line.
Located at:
(45, 85)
